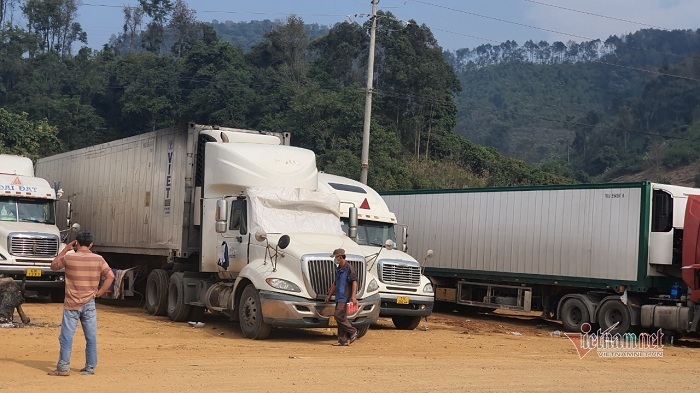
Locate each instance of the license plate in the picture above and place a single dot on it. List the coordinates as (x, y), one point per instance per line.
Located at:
(331, 321)
(402, 299)
(33, 272)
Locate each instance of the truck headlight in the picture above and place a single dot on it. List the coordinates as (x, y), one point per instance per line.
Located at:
(373, 286)
(428, 288)
(283, 285)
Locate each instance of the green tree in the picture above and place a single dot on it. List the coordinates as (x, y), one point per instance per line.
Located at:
(20, 136)
(55, 22)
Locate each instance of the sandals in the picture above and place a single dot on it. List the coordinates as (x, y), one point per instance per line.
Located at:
(59, 373)
(340, 344)
(353, 338)
(85, 371)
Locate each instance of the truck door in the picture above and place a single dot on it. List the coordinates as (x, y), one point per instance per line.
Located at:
(236, 237)
(661, 236)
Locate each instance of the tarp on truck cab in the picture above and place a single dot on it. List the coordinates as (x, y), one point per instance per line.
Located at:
(290, 210)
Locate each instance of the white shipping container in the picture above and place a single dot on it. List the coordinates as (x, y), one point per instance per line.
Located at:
(134, 194)
(557, 233)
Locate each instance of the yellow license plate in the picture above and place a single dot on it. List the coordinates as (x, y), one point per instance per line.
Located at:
(33, 272)
(331, 321)
(402, 299)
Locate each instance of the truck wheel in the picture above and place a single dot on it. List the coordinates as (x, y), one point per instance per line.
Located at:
(405, 323)
(58, 295)
(157, 292)
(574, 313)
(250, 315)
(178, 310)
(362, 330)
(612, 312)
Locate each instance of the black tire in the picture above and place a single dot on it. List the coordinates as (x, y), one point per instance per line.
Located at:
(157, 292)
(196, 313)
(611, 312)
(250, 315)
(58, 295)
(574, 314)
(178, 310)
(362, 330)
(405, 322)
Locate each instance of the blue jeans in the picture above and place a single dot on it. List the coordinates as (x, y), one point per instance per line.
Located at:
(87, 315)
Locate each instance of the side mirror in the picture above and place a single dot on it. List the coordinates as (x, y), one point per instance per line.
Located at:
(75, 227)
(352, 212)
(283, 242)
(404, 239)
(221, 215)
(389, 244)
(69, 214)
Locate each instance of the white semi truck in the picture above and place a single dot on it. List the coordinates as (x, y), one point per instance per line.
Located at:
(406, 294)
(29, 238)
(620, 255)
(217, 219)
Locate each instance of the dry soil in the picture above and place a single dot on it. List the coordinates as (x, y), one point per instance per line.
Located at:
(450, 352)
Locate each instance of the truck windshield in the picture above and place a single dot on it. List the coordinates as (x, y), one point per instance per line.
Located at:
(371, 233)
(27, 210)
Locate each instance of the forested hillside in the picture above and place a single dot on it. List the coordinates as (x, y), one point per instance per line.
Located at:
(596, 111)
(167, 67)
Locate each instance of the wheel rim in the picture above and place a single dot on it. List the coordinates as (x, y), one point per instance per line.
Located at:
(249, 311)
(612, 317)
(576, 316)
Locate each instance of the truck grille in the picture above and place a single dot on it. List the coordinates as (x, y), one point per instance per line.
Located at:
(322, 274)
(399, 272)
(33, 245)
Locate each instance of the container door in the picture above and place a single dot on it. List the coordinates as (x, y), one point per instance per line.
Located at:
(691, 247)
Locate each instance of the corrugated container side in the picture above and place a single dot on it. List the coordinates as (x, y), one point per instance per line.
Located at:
(557, 233)
(130, 193)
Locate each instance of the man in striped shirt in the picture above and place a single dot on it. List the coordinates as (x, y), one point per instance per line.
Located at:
(84, 269)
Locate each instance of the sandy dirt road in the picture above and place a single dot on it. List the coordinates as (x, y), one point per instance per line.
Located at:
(451, 352)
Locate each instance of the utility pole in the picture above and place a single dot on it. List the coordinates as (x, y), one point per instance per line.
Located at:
(368, 96)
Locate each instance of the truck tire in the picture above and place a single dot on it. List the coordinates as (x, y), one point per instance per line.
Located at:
(157, 292)
(250, 315)
(405, 322)
(612, 312)
(574, 314)
(178, 310)
(362, 330)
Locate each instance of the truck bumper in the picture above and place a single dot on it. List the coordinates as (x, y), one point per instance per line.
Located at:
(48, 279)
(291, 311)
(418, 306)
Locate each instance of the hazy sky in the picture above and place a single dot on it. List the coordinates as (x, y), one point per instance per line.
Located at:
(455, 23)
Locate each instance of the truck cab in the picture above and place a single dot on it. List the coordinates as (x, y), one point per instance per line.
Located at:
(29, 238)
(406, 294)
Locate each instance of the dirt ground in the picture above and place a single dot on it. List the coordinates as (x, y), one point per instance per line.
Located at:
(451, 352)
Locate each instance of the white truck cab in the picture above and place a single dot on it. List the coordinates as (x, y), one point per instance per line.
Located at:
(406, 294)
(29, 238)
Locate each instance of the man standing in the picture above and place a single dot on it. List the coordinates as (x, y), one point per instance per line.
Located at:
(83, 272)
(345, 287)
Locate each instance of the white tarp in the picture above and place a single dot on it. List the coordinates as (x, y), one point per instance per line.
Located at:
(290, 210)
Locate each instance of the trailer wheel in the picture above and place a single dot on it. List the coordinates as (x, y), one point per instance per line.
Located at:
(362, 330)
(178, 310)
(612, 312)
(250, 315)
(574, 313)
(405, 322)
(157, 292)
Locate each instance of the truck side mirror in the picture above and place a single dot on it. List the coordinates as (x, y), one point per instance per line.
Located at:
(69, 214)
(404, 239)
(221, 215)
(352, 212)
